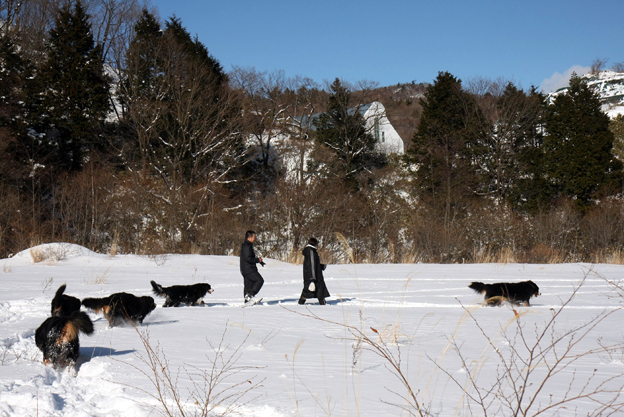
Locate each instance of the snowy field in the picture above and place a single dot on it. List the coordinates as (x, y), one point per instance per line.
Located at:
(305, 361)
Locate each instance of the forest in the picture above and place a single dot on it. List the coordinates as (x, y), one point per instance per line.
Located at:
(120, 132)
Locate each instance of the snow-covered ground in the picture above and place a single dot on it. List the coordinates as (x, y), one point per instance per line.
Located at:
(422, 314)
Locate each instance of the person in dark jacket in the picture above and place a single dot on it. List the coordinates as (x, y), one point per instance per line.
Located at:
(252, 279)
(313, 281)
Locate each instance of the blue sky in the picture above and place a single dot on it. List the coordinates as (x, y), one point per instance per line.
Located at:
(528, 42)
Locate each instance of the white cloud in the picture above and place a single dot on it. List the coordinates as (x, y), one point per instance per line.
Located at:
(561, 80)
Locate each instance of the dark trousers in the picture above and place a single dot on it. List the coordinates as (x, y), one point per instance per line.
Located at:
(253, 283)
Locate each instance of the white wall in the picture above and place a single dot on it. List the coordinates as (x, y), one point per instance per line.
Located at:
(388, 140)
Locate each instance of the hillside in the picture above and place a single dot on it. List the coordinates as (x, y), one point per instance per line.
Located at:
(610, 88)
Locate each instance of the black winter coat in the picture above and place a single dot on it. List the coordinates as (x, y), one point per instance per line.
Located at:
(248, 259)
(313, 271)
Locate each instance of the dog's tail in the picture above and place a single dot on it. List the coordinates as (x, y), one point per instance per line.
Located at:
(158, 289)
(60, 290)
(96, 304)
(79, 321)
(478, 287)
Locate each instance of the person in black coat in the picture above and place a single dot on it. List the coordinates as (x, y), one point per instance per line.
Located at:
(252, 279)
(313, 281)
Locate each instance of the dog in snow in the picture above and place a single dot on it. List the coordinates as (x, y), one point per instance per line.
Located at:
(514, 292)
(64, 305)
(57, 338)
(190, 295)
(121, 307)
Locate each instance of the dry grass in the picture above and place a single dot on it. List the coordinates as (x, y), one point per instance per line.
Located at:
(503, 255)
(37, 254)
(615, 257)
(46, 284)
(412, 257)
(49, 253)
(348, 251)
(114, 246)
(100, 278)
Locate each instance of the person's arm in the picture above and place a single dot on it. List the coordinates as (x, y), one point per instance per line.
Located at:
(312, 265)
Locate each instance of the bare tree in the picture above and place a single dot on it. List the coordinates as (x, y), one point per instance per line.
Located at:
(618, 67)
(598, 65)
(264, 106)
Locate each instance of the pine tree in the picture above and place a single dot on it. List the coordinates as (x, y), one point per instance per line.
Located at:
(342, 129)
(142, 57)
(617, 127)
(71, 90)
(577, 147)
(14, 71)
(449, 135)
(194, 49)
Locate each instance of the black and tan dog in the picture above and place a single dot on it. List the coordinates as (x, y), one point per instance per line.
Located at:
(178, 294)
(514, 292)
(57, 338)
(121, 307)
(64, 305)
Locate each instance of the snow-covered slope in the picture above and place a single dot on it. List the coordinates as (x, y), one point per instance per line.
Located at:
(305, 359)
(610, 88)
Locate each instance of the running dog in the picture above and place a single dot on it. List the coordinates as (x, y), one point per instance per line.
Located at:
(191, 295)
(121, 307)
(514, 292)
(57, 338)
(64, 305)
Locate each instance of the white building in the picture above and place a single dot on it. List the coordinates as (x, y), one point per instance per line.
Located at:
(377, 124)
(388, 140)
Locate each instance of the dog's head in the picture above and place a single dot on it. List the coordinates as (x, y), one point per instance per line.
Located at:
(207, 287)
(535, 288)
(148, 303)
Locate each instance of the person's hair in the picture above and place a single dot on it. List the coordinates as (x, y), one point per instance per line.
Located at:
(312, 241)
(249, 234)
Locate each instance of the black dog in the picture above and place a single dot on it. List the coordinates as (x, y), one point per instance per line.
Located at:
(514, 292)
(64, 305)
(57, 338)
(121, 307)
(187, 294)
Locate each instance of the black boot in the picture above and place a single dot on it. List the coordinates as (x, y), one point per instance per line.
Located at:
(302, 301)
(322, 301)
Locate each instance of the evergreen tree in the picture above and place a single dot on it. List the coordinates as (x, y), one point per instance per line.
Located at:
(577, 146)
(194, 49)
(70, 99)
(513, 131)
(342, 129)
(617, 127)
(14, 71)
(449, 135)
(142, 57)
